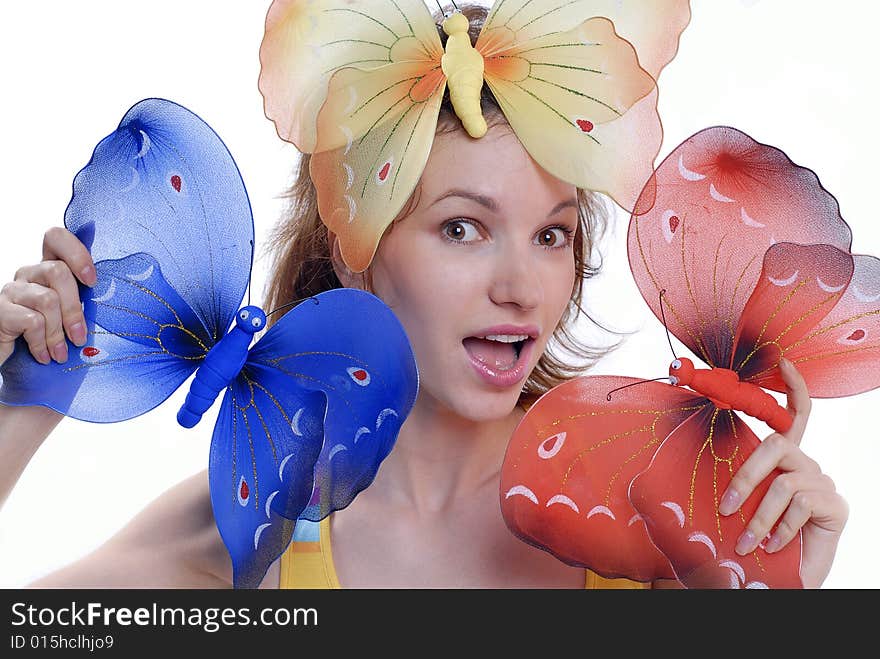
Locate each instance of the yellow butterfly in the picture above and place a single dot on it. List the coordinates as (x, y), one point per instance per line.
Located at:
(359, 84)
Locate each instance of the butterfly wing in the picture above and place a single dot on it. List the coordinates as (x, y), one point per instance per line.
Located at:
(678, 496)
(572, 97)
(265, 443)
(653, 28)
(348, 347)
(163, 210)
(568, 467)
(819, 307)
(703, 223)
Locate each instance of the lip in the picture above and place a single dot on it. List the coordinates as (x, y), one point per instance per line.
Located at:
(515, 375)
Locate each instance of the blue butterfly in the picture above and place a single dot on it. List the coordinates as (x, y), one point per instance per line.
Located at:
(309, 411)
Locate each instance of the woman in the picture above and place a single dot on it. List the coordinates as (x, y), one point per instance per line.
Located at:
(471, 256)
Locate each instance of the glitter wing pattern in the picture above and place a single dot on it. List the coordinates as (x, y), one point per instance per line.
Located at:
(309, 411)
(753, 258)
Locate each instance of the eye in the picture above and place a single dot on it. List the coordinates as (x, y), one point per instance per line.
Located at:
(676, 364)
(673, 379)
(460, 231)
(244, 314)
(554, 237)
(256, 322)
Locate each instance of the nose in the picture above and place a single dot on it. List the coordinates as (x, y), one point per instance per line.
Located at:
(516, 280)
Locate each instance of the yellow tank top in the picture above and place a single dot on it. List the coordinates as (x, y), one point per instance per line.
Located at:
(308, 562)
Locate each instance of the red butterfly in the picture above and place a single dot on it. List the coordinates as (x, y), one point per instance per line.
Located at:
(746, 258)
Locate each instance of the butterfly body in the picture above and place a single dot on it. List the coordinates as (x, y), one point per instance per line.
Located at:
(723, 387)
(463, 66)
(222, 365)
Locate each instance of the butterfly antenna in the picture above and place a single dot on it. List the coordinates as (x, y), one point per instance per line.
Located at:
(249, 281)
(632, 384)
(663, 315)
(290, 304)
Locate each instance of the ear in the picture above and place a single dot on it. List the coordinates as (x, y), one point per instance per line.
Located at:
(346, 277)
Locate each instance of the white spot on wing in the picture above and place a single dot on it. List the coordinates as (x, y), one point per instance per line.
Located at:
(269, 502)
(384, 414)
(109, 294)
(699, 536)
(133, 182)
(717, 196)
(675, 508)
(664, 225)
(748, 221)
(259, 532)
(635, 518)
(687, 174)
(521, 490)
(601, 510)
(757, 584)
(736, 567)
(336, 449)
(352, 99)
(349, 174)
(829, 289)
(352, 208)
(863, 297)
(281, 466)
(145, 145)
(142, 276)
(360, 431)
(784, 282)
(294, 424)
(349, 137)
(564, 500)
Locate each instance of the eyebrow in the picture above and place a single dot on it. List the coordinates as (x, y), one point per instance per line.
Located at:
(491, 204)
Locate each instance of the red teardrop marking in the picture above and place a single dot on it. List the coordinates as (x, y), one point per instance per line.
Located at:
(673, 223)
(175, 182)
(551, 446)
(383, 173)
(359, 375)
(585, 125)
(90, 351)
(858, 335)
(244, 491)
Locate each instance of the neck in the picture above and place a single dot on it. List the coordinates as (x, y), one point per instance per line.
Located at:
(441, 457)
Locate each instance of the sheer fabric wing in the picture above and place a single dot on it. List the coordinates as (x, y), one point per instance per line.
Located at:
(143, 342)
(702, 226)
(573, 100)
(653, 28)
(305, 43)
(165, 184)
(678, 496)
(265, 442)
(348, 345)
(569, 464)
(819, 307)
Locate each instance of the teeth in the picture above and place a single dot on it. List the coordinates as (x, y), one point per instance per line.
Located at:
(505, 338)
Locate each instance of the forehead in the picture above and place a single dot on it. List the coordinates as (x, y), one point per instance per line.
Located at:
(495, 165)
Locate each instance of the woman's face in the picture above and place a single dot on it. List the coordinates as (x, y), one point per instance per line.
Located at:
(487, 252)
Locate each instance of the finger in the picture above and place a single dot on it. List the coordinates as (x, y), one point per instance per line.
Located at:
(799, 401)
(17, 320)
(798, 513)
(60, 244)
(46, 330)
(785, 504)
(57, 276)
(775, 452)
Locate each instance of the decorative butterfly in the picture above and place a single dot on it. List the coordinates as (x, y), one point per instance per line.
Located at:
(359, 85)
(308, 412)
(746, 258)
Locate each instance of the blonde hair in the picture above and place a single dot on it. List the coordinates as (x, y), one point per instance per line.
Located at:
(302, 266)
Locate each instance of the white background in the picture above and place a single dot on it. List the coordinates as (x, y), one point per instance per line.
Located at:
(792, 74)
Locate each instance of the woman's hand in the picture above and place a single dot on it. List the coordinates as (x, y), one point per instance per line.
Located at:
(801, 498)
(42, 302)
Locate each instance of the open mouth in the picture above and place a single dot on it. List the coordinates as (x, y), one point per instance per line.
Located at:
(501, 354)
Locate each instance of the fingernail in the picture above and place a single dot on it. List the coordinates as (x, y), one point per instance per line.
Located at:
(44, 357)
(729, 502)
(88, 275)
(773, 544)
(746, 543)
(78, 334)
(60, 352)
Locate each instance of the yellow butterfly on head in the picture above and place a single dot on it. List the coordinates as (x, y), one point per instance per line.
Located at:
(359, 84)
